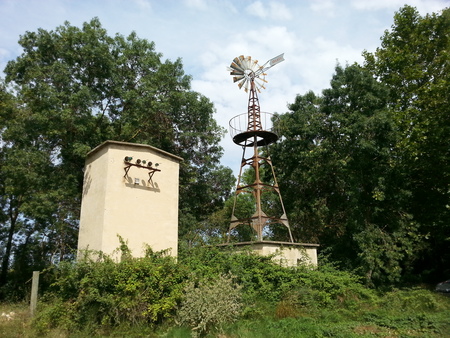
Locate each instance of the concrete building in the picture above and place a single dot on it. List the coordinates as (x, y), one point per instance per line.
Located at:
(130, 190)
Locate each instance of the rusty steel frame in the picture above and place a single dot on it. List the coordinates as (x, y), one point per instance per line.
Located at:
(255, 136)
(150, 169)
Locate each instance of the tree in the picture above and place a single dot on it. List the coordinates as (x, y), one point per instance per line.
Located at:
(74, 88)
(342, 186)
(296, 157)
(414, 62)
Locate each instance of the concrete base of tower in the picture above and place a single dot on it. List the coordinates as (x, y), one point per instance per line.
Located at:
(285, 253)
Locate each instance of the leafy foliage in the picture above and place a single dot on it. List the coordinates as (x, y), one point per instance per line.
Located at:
(72, 89)
(364, 167)
(103, 293)
(152, 294)
(210, 304)
(343, 187)
(413, 62)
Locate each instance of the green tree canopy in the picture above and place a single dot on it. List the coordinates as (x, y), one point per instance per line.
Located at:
(365, 166)
(414, 62)
(73, 88)
(336, 173)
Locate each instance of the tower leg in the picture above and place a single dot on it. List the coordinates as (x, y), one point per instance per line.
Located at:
(259, 219)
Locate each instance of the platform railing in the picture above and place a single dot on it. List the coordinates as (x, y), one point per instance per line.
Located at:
(239, 123)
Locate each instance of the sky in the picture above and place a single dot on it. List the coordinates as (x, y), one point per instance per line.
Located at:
(314, 35)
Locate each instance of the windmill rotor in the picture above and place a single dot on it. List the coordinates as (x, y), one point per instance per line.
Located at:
(246, 71)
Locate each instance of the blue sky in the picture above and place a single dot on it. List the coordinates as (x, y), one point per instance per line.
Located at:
(208, 34)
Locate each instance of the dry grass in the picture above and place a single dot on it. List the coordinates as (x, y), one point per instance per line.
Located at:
(15, 320)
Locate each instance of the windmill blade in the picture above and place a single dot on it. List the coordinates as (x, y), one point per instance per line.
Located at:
(242, 83)
(259, 85)
(237, 63)
(251, 64)
(247, 62)
(238, 59)
(236, 67)
(246, 86)
(236, 72)
(246, 71)
(240, 62)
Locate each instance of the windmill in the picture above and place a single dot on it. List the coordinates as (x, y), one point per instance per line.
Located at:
(251, 131)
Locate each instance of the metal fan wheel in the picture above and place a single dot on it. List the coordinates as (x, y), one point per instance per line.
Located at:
(245, 70)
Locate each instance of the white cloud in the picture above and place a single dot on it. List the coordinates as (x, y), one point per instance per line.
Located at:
(257, 9)
(272, 40)
(143, 4)
(271, 10)
(423, 6)
(197, 4)
(325, 7)
(279, 11)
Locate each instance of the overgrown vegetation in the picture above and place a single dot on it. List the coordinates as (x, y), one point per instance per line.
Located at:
(365, 164)
(210, 292)
(363, 167)
(71, 89)
(210, 304)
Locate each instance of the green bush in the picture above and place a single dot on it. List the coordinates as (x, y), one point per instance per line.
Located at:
(412, 300)
(102, 293)
(210, 304)
(258, 275)
(146, 296)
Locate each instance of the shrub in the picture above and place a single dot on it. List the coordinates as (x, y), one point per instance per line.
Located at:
(210, 304)
(103, 293)
(413, 300)
(329, 286)
(258, 275)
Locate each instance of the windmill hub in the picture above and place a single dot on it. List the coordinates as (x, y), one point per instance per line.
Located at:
(249, 74)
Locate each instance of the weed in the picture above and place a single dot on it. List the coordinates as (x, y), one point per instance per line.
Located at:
(210, 304)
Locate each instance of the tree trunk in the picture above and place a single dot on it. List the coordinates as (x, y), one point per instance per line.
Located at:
(5, 262)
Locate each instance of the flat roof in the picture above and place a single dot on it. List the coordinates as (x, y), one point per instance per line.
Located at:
(138, 145)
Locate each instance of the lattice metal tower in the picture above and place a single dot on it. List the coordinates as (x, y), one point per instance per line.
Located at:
(259, 132)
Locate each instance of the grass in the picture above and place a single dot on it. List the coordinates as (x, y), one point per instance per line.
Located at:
(18, 322)
(408, 313)
(333, 324)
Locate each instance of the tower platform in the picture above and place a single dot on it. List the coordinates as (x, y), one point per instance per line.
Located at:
(264, 135)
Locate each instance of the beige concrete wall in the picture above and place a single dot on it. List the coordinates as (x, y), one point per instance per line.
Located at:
(286, 253)
(141, 212)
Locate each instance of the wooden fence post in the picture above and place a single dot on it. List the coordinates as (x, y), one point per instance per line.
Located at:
(34, 292)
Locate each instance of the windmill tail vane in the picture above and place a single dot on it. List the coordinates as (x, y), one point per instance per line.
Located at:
(276, 60)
